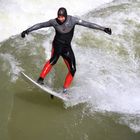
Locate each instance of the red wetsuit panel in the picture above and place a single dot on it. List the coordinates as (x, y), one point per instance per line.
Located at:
(69, 76)
(46, 70)
(68, 80)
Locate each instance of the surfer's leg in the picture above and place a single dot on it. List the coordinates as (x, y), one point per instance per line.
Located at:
(48, 66)
(46, 69)
(69, 59)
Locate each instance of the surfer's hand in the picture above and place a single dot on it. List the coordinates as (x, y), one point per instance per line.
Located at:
(108, 31)
(24, 33)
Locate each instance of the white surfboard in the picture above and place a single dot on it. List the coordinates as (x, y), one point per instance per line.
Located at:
(45, 88)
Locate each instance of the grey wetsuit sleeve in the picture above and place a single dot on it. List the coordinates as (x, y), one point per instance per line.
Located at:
(88, 24)
(39, 26)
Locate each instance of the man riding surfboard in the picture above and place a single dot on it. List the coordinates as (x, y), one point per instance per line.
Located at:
(64, 28)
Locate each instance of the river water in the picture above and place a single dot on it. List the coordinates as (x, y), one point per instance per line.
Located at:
(106, 89)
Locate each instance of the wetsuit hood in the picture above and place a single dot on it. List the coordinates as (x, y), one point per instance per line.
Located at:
(62, 12)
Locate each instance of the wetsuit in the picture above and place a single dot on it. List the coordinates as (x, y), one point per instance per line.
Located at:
(61, 45)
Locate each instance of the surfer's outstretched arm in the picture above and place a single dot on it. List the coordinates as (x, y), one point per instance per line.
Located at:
(92, 25)
(36, 27)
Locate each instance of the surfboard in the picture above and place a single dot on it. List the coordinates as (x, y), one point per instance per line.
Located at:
(44, 88)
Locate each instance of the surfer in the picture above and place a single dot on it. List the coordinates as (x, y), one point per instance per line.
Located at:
(64, 28)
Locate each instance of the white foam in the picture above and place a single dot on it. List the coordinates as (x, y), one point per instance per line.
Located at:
(13, 68)
(108, 80)
(133, 121)
(107, 83)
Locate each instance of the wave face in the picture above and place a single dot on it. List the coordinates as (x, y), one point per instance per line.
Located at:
(108, 67)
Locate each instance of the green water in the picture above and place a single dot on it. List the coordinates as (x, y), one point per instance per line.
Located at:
(35, 116)
(30, 114)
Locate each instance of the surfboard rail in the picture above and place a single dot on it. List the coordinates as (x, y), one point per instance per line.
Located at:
(45, 88)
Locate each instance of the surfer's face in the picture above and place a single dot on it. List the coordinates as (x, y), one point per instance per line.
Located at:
(61, 18)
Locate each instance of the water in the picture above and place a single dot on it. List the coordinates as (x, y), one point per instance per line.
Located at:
(105, 90)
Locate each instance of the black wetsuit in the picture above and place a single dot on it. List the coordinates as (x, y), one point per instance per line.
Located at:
(62, 43)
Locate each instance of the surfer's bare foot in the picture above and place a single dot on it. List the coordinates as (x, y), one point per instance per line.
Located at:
(40, 81)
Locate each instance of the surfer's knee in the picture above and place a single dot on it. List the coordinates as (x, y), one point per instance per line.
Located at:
(53, 60)
(72, 71)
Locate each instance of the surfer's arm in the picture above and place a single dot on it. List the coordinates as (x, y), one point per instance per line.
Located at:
(36, 27)
(92, 25)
